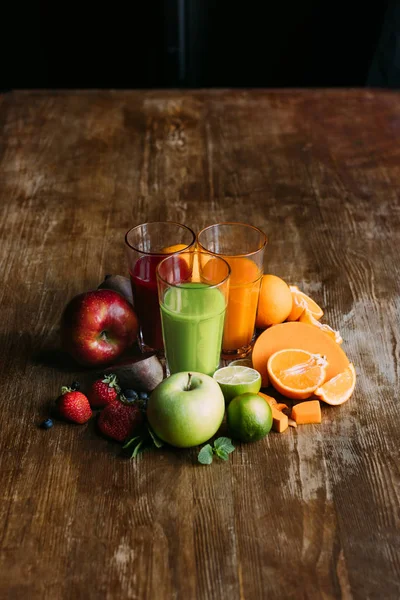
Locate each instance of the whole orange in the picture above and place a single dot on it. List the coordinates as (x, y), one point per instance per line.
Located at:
(275, 302)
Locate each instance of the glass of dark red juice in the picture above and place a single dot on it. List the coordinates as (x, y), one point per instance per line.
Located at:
(147, 245)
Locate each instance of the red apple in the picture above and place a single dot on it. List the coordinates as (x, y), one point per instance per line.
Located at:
(96, 327)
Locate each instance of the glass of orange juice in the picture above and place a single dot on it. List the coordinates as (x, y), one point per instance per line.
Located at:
(242, 246)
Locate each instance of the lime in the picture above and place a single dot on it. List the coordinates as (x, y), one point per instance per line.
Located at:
(237, 380)
(249, 417)
(242, 362)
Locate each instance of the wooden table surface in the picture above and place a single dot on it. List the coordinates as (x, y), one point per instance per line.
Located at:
(311, 513)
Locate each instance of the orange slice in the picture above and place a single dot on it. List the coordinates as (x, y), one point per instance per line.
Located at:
(172, 249)
(296, 373)
(300, 301)
(338, 389)
(297, 335)
(307, 317)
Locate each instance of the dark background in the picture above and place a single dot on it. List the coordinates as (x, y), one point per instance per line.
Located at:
(198, 43)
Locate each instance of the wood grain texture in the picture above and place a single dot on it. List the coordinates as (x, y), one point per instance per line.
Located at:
(311, 513)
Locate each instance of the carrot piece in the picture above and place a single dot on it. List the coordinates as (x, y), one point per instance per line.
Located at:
(307, 412)
(280, 421)
(271, 401)
(303, 337)
(281, 407)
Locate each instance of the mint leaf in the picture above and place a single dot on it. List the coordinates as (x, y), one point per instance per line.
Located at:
(156, 440)
(225, 444)
(146, 440)
(140, 447)
(136, 445)
(205, 456)
(221, 453)
(131, 441)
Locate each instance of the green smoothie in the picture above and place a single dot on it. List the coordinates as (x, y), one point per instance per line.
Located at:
(192, 317)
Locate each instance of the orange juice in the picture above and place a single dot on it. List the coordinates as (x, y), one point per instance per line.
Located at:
(244, 288)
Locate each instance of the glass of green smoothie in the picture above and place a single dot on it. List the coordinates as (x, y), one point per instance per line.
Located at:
(193, 292)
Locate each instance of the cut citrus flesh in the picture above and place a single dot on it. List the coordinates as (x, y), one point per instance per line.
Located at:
(174, 248)
(301, 336)
(296, 373)
(235, 381)
(300, 301)
(307, 317)
(338, 389)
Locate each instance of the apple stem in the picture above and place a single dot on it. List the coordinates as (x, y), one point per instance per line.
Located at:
(189, 382)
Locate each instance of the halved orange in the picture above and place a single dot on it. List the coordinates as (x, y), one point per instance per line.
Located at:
(338, 389)
(296, 373)
(301, 336)
(300, 301)
(307, 317)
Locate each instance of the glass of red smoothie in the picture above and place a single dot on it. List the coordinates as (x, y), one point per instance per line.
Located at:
(147, 245)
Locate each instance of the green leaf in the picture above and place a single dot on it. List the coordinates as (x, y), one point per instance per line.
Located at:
(138, 448)
(221, 453)
(131, 441)
(156, 440)
(225, 444)
(205, 456)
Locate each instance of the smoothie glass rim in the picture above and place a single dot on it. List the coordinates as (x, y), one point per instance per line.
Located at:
(222, 254)
(147, 253)
(177, 285)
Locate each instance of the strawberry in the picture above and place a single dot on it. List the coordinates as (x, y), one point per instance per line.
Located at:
(119, 420)
(73, 406)
(104, 391)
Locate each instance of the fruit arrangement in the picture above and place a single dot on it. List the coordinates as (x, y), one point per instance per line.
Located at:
(296, 354)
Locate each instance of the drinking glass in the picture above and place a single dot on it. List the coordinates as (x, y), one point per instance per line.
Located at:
(147, 245)
(193, 292)
(242, 246)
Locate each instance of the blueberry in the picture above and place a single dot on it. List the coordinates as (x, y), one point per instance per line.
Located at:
(143, 395)
(46, 424)
(130, 395)
(75, 385)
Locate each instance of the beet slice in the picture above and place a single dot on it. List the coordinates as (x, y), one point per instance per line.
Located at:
(141, 373)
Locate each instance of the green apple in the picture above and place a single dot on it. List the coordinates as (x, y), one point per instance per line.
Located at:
(186, 409)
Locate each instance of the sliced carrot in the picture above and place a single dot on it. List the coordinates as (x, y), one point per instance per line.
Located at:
(301, 336)
(271, 401)
(307, 412)
(280, 421)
